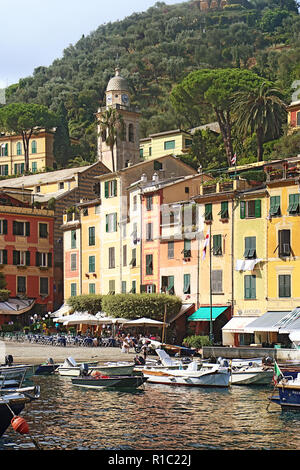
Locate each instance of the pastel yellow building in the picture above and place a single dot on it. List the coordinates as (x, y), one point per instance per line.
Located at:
(12, 153)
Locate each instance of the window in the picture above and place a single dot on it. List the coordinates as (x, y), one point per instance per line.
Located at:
(110, 188)
(73, 239)
(21, 258)
(150, 151)
(44, 259)
(250, 209)
(61, 185)
(294, 204)
(149, 264)
(21, 284)
(112, 286)
(43, 230)
(250, 248)
(19, 148)
(3, 227)
(274, 206)
(169, 144)
(123, 287)
(186, 283)
(157, 165)
(124, 255)
(187, 252)
(3, 256)
(149, 203)
(44, 289)
(284, 243)
(73, 290)
(3, 170)
(33, 146)
(34, 167)
(73, 262)
(284, 285)
(149, 231)
(224, 210)
(188, 143)
(134, 208)
(133, 258)
(19, 168)
(92, 288)
(21, 228)
(217, 281)
(141, 153)
(130, 133)
(111, 258)
(170, 250)
(208, 212)
(4, 150)
(134, 233)
(167, 284)
(92, 236)
(133, 287)
(92, 264)
(250, 287)
(217, 245)
(111, 223)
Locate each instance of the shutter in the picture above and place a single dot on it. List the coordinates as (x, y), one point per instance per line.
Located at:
(6, 170)
(27, 233)
(153, 288)
(49, 260)
(14, 227)
(114, 187)
(27, 258)
(143, 288)
(257, 208)
(106, 223)
(106, 189)
(37, 259)
(281, 285)
(217, 245)
(115, 222)
(186, 283)
(247, 287)
(4, 256)
(242, 209)
(4, 227)
(6, 152)
(15, 257)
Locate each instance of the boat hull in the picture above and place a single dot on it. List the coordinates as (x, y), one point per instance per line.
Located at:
(6, 415)
(205, 380)
(252, 377)
(105, 370)
(17, 371)
(288, 397)
(119, 382)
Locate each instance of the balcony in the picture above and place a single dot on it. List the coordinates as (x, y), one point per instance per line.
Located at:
(283, 171)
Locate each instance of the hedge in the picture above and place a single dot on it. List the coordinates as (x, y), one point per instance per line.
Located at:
(91, 303)
(134, 306)
(196, 341)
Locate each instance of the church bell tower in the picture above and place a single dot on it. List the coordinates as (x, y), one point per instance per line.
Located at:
(126, 148)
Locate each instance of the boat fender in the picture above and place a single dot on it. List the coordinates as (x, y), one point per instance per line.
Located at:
(20, 425)
(104, 377)
(96, 374)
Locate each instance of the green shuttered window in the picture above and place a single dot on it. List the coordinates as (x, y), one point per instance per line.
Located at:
(250, 287)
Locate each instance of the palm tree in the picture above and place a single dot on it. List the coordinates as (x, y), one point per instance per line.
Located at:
(259, 111)
(112, 127)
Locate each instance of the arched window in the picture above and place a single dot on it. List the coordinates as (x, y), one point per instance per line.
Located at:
(33, 147)
(19, 148)
(130, 133)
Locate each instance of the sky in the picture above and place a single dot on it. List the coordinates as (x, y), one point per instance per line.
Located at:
(35, 33)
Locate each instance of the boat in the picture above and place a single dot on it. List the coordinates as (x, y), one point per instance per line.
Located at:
(287, 393)
(251, 372)
(15, 371)
(115, 381)
(46, 368)
(13, 402)
(71, 368)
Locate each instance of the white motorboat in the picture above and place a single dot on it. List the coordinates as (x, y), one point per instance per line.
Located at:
(73, 369)
(210, 375)
(251, 372)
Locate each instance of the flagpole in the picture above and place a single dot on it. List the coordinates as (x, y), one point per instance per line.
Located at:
(211, 335)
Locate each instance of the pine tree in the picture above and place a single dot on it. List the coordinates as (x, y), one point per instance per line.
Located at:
(62, 144)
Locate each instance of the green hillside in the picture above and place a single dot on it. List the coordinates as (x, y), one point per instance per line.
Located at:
(155, 50)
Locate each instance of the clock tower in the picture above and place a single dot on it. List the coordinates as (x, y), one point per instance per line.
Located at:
(127, 147)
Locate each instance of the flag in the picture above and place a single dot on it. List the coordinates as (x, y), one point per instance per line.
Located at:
(278, 375)
(233, 159)
(206, 242)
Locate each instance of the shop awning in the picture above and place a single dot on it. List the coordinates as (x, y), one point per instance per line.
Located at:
(203, 313)
(291, 322)
(266, 322)
(237, 324)
(184, 309)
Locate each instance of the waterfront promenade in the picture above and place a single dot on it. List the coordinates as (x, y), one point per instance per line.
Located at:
(28, 353)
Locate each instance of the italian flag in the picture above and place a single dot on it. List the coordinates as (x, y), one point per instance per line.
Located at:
(277, 373)
(206, 243)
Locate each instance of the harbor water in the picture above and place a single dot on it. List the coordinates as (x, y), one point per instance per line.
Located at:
(155, 417)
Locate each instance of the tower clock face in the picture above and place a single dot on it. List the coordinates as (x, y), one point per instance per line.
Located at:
(108, 99)
(125, 99)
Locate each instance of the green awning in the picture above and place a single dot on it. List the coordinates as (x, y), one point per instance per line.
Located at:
(203, 313)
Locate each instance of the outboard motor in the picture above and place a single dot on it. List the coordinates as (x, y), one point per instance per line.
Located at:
(84, 369)
(9, 360)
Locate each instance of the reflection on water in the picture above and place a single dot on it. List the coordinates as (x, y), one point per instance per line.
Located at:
(156, 417)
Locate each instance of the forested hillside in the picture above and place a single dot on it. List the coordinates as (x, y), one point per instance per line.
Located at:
(155, 50)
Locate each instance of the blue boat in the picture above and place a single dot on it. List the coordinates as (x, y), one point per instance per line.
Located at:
(287, 393)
